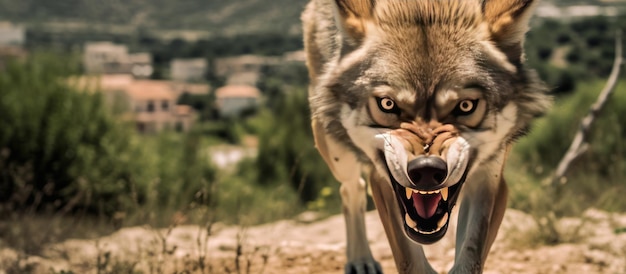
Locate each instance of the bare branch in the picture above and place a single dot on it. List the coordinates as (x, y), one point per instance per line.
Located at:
(580, 143)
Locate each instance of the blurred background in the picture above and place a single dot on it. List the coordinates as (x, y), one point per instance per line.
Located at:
(159, 112)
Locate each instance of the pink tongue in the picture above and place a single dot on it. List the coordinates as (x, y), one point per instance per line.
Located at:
(426, 204)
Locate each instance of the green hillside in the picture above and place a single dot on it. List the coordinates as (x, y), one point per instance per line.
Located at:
(216, 17)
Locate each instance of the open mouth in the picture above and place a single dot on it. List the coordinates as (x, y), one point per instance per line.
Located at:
(426, 213)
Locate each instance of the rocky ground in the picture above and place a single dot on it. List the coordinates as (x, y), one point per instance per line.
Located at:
(593, 243)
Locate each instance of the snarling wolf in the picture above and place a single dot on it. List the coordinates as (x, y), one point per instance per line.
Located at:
(423, 98)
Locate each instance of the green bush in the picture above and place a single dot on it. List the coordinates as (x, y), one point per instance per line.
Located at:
(61, 150)
(287, 154)
(597, 177)
(242, 200)
(202, 103)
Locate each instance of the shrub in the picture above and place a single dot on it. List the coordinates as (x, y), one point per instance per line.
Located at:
(286, 149)
(597, 176)
(60, 147)
(61, 150)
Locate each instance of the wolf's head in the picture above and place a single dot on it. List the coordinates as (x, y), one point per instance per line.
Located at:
(426, 92)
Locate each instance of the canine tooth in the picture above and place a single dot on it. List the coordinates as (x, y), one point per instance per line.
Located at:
(443, 221)
(409, 193)
(444, 193)
(409, 221)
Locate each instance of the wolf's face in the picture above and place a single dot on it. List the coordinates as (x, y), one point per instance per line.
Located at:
(425, 95)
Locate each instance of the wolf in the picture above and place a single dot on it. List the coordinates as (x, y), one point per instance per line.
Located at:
(419, 101)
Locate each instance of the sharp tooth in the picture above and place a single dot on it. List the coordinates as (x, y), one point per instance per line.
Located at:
(409, 221)
(443, 221)
(428, 232)
(444, 193)
(409, 193)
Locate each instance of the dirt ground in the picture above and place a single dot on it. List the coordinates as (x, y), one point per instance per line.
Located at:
(593, 243)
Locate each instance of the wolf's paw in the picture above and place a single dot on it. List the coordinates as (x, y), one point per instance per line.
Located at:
(365, 266)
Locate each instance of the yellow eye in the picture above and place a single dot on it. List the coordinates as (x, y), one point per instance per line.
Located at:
(465, 107)
(387, 105)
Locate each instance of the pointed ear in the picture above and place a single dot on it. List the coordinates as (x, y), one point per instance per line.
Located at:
(508, 23)
(351, 16)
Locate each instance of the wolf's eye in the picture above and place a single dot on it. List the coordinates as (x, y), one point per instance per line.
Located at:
(387, 105)
(465, 107)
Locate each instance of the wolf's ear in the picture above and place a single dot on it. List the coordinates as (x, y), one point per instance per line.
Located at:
(508, 23)
(351, 16)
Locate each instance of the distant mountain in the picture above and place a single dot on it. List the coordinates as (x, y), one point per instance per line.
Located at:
(215, 17)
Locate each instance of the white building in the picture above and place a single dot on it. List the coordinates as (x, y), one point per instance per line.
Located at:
(232, 100)
(189, 70)
(11, 35)
(110, 58)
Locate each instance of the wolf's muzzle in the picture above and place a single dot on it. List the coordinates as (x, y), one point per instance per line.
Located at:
(426, 168)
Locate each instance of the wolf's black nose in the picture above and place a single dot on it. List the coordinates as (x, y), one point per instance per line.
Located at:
(427, 171)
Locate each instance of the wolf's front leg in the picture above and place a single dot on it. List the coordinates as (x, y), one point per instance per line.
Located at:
(353, 198)
(347, 170)
(480, 216)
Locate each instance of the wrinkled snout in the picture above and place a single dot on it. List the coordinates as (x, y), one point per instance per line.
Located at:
(424, 156)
